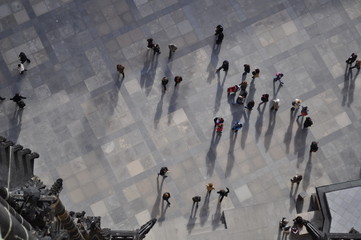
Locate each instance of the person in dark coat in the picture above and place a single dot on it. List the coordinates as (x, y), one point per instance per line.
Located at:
(23, 58)
(308, 122)
(250, 105)
(120, 69)
(247, 68)
(264, 99)
(156, 49)
(217, 121)
(150, 44)
(222, 193)
(163, 172)
(296, 179)
(314, 147)
(219, 29)
(18, 99)
(225, 66)
(220, 37)
(164, 83)
(177, 80)
(351, 59)
(196, 200)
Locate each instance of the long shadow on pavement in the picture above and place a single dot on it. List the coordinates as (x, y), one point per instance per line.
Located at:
(259, 123)
(288, 135)
(212, 153)
(269, 132)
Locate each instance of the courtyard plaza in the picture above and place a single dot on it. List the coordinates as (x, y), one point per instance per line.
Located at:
(107, 137)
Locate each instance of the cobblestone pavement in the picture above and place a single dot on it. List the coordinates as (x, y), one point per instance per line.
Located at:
(108, 137)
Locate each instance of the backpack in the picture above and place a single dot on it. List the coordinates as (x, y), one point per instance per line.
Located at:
(21, 104)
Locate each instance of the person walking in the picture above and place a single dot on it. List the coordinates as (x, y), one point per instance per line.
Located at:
(21, 68)
(164, 83)
(218, 30)
(357, 64)
(223, 193)
(166, 197)
(172, 48)
(196, 200)
(18, 99)
(220, 37)
(278, 77)
(120, 69)
(217, 121)
(156, 49)
(150, 44)
(255, 73)
(2, 98)
(308, 122)
(244, 85)
(296, 104)
(246, 68)
(177, 80)
(264, 99)
(351, 59)
(283, 223)
(296, 179)
(163, 172)
(23, 58)
(275, 104)
(250, 105)
(210, 187)
(236, 126)
(225, 66)
(304, 112)
(314, 147)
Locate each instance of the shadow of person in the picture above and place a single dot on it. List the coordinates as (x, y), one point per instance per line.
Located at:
(293, 195)
(300, 142)
(159, 111)
(192, 218)
(346, 85)
(204, 212)
(231, 158)
(269, 132)
(162, 215)
(288, 135)
(211, 68)
(15, 123)
(156, 205)
(244, 76)
(245, 128)
(275, 92)
(144, 73)
(217, 217)
(172, 104)
(212, 153)
(307, 173)
(259, 122)
(251, 90)
(151, 75)
(217, 99)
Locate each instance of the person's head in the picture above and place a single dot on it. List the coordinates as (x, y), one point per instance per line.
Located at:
(298, 101)
(19, 65)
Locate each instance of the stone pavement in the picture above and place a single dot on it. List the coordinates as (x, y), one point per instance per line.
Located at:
(108, 137)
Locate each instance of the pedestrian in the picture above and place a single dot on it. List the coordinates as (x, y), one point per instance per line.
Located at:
(163, 172)
(177, 80)
(21, 68)
(308, 122)
(166, 197)
(255, 73)
(275, 104)
(2, 98)
(283, 223)
(164, 83)
(264, 99)
(196, 200)
(220, 37)
(172, 48)
(156, 49)
(217, 121)
(304, 112)
(357, 64)
(314, 147)
(278, 78)
(120, 69)
(233, 90)
(296, 179)
(225, 66)
(236, 126)
(210, 187)
(18, 99)
(150, 44)
(286, 231)
(223, 193)
(250, 105)
(23, 58)
(296, 104)
(244, 85)
(219, 29)
(351, 59)
(246, 68)
(219, 128)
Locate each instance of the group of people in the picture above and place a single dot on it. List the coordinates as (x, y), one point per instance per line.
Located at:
(163, 172)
